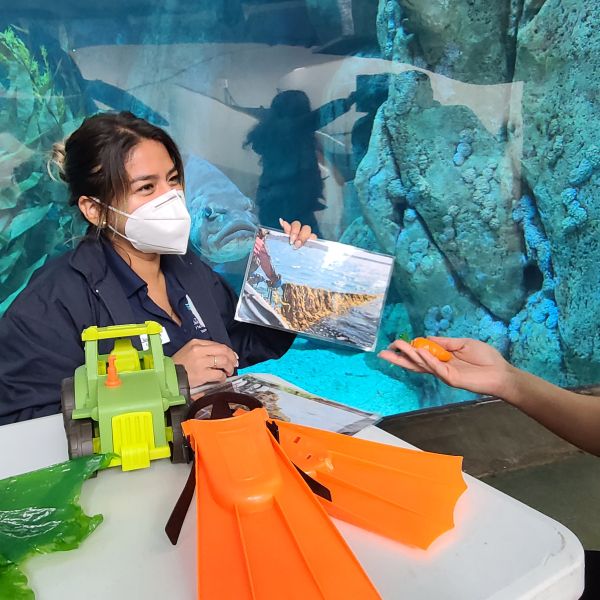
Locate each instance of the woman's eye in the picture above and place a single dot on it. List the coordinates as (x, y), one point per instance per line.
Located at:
(175, 180)
(146, 188)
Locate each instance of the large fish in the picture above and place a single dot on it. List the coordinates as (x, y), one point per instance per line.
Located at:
(223, 221)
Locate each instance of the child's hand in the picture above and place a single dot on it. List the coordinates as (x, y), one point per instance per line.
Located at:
(475, 366)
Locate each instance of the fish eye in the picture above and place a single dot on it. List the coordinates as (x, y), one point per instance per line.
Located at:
(208, 213)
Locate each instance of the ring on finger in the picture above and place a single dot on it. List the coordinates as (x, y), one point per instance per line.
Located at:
(214, 361)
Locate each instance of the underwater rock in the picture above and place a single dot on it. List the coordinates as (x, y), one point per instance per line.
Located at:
(436, 302)
(558, 56)
(453, 185)
(373, 178)
(465, 205)
(466, 42)
(359, 234)
(335, 19)
(536, 344)
(303, 306)
(533, 332)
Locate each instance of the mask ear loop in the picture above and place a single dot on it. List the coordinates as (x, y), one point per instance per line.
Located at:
(103, 223)
(109, 207)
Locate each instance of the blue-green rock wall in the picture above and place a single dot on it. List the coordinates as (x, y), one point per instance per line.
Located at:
(491, 208)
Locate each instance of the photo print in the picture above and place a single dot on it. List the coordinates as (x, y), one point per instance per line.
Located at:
(326, 290)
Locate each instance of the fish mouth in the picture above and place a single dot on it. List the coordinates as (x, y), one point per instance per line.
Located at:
(234, 231)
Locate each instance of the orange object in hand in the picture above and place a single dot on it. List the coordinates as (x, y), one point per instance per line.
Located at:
(433, 348)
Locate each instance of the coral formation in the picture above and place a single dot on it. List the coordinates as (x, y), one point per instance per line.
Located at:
(557, 56)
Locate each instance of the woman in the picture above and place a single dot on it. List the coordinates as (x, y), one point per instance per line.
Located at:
(126, 177)
(284, 137)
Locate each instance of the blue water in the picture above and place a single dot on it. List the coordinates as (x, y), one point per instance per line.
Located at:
(334, 267)
(357, 326)
(341, 375)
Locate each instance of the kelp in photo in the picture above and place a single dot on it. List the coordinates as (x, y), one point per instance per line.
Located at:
(303, 306)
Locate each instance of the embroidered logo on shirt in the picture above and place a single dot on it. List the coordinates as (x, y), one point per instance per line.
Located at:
(198, 322)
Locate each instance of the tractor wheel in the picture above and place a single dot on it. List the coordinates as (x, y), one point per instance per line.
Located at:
(80, 438)
(177, 414)
(183, 383)
(79, 433)
(67, 400)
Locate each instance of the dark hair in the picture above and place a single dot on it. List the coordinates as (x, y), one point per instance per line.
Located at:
(291, 103)
(286, 108)
(92, 160)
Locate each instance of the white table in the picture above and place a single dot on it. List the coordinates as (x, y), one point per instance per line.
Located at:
(499, 549)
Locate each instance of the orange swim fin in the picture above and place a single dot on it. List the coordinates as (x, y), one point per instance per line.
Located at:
(407, 495)
(262, 533)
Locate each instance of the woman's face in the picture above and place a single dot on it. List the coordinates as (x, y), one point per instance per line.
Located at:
(151, 173)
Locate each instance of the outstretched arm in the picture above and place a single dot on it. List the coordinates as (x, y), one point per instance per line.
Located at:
(477, 367)
(322, 116)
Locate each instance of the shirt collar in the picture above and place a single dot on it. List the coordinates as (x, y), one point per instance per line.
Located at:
(128, 278)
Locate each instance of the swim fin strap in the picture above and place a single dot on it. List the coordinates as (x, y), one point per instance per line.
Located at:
(407, 495)
(262, 533)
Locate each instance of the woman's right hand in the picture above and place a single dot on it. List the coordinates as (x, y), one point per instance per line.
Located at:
(475, 366)
(206, 361)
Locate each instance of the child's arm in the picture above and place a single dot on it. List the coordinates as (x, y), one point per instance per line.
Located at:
(477, 367)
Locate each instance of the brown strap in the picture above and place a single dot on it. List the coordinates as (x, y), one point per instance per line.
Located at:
(220, 402)
(175, 522)
(315, 486)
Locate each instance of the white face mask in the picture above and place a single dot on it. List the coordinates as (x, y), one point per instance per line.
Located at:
(160, 226)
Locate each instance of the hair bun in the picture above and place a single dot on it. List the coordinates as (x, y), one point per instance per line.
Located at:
(57, 161)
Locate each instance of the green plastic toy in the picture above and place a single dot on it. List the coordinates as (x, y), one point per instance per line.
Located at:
(130, 403)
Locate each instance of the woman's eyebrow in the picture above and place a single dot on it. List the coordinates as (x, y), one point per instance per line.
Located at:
(143, 178)
(153, 177)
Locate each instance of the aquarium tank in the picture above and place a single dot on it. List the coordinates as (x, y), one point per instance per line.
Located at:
(460, 137)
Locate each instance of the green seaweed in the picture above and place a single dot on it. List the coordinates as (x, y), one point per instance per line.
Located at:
(39, 513)
(35, 221)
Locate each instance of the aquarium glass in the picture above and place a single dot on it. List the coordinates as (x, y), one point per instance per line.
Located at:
(459, 137)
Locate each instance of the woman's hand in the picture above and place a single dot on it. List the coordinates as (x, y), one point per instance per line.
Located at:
(298, 233)
(475, 366)
(206, 361)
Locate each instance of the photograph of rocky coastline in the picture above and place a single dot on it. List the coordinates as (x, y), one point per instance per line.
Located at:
(327, 290)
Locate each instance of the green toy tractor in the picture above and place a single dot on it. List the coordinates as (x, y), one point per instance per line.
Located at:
(129, 402)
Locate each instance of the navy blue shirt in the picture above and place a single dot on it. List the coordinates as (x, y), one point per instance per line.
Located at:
(145, 309)
(40, 334)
